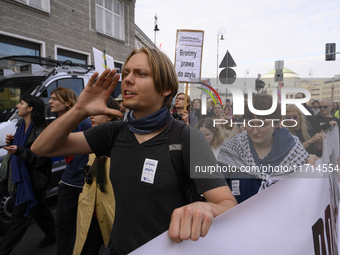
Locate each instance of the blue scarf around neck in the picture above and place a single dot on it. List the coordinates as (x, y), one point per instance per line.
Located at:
(150, 123)
(283, 142)
(20, 173)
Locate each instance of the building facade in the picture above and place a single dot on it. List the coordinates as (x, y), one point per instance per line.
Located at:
(64, 29)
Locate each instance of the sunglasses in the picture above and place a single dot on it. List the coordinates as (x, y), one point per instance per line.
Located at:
(294, 117)
(323, 106)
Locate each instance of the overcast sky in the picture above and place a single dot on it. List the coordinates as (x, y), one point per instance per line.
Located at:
(257, 33)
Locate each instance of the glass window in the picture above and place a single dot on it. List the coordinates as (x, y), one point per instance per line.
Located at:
(39, 4)
(76, 84)
(118, 66)
(12, 46)
(70, 55)
(109, 18)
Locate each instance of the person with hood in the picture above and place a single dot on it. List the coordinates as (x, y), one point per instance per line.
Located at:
(262, 147)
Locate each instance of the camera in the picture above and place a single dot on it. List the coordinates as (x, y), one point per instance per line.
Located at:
(177, 116)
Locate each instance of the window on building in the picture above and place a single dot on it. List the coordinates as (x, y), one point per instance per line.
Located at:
(110, 18)
(73, 56)
(119, 67)
(43, 5)
(12, 46)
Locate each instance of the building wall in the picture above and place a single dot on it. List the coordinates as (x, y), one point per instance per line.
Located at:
(141, 40)
(70, 25)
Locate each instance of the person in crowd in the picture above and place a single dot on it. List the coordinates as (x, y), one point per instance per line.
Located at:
(325, 120)
(149, 83)
(335, 108)
(227, 102)
(97, 199)
(336, 114)
(122, 108)
(218, 111)
(214, 135)
(210, 111)
(310, 140)
(300, 96)
(196, 108)
(31, 175)
(72, 181)
(263, 146)
(315, 107)
(227, 128)
(181, 114)
(228, 112)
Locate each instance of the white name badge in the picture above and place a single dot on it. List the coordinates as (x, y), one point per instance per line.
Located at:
(149, 170)
(235, 187)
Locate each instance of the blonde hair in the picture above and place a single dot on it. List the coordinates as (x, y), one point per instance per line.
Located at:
(303, 121)
(218, 135)
(67, 95)
(163, 72)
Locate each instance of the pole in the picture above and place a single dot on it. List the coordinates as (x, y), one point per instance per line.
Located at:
(105, 63)
(155, 38)
(186, 96)
(217, 60)
(279, 92)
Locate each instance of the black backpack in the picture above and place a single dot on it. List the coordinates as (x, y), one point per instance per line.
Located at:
(175, 153)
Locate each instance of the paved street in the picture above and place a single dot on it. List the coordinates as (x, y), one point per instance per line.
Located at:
(29, 244)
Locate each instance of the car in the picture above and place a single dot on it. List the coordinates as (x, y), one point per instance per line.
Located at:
(37, 76)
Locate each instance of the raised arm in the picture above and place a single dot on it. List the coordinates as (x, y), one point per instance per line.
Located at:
(57, 139)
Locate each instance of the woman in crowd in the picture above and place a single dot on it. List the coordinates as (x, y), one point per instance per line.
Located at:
(97, 199)
(72, 180)
(213, 134)
(310, 140)
(31, 175)
(228, 112)
(335, 108)
(229, 131)
(218, 111)
(262, 147)
(196, 108)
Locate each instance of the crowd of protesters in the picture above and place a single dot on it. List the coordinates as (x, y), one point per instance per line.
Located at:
(114, 147)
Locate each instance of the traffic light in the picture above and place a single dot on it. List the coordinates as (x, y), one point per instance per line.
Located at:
(330, 52)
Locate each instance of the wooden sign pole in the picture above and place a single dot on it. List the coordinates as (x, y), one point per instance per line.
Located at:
(186, 96)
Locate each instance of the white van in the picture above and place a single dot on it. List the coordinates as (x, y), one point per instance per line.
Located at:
(37, 76)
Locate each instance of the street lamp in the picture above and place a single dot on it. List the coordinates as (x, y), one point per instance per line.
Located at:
(219, 32)
(156, 28)
(245, 79)
(311, 76)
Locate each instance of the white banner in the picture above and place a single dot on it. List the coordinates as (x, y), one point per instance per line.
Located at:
(188, 63)
(293, 216)
(99, 61)
(189, 55)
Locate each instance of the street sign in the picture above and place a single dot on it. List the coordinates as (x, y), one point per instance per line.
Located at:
(227, 78)
(227, 75)
(227, 61)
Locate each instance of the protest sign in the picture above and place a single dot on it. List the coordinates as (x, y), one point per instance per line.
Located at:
(188, 59)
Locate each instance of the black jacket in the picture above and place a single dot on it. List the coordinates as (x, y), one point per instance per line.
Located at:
(38, 167)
